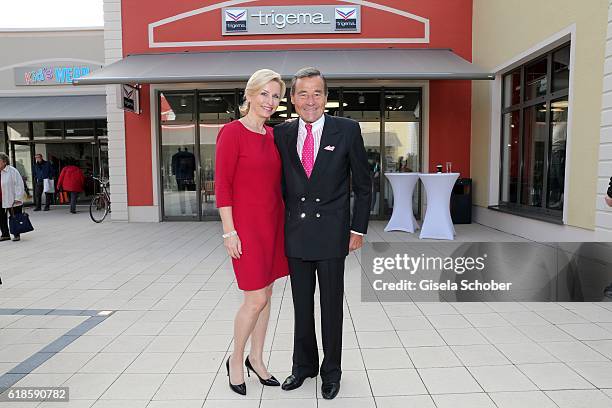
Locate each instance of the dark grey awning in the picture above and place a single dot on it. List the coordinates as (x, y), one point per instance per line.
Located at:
(52, 107)
(239, 65)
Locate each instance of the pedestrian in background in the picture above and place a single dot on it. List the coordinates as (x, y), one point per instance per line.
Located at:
(43, 174)
(12, 192)
(71, 180)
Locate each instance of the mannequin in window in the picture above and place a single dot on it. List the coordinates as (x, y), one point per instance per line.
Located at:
(183, 169)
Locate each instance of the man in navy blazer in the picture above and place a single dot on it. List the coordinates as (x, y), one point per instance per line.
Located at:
(322, 157)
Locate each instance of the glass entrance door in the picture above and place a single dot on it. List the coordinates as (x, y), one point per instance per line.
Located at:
(80, 153)
(22, 160)
(85, 154)
(189, 126)
(390, 126)
(214, 110)
(179, 170)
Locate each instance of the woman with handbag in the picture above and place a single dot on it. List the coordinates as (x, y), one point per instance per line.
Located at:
(12, 192)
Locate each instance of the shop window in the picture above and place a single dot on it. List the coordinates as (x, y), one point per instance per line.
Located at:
(402, 113)
(217, 107)
(79, 128)
(177, 107)
(534, 145)
(560, 69)
(536, 82)
(534, 135)
(556, 167)
(510, 147)
(47, 130)
(18, 131)
(101, 128)
(512, 88)
(389, 118)
(362, 105)
(332, 107)
(214, 109)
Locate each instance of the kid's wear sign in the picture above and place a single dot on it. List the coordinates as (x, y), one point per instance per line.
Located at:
(51, 74)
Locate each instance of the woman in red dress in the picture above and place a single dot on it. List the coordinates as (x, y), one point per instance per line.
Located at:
(248, 193)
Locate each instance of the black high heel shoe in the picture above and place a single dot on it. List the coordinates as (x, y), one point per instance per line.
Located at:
(272, 382)
(238, 389)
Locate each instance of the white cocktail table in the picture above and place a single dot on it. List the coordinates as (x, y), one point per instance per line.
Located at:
(402, 218)
(438, 223)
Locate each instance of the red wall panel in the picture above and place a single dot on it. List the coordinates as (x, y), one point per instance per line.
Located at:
(450, 125)
(138, 153)
(450, 101)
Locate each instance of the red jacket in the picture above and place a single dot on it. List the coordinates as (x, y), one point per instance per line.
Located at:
(71, 179)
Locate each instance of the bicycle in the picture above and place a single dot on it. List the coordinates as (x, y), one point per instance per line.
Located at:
(100, 205)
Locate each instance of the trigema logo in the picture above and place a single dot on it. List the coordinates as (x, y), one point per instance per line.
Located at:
(346, 18)
(235, 20)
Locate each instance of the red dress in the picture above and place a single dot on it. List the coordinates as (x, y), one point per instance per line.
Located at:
(248, 179)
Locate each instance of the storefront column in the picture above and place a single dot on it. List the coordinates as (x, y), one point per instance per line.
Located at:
(116, 123)
(603, 215)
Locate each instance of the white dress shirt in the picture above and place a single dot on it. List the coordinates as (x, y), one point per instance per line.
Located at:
(12, 186)
(317, 132)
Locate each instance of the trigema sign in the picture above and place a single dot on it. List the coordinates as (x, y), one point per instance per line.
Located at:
(291, 20)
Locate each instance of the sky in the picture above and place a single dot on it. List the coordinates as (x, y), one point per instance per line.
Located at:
(51, 13)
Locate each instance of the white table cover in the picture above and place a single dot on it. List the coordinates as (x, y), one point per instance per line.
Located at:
(438, 223)
(402, 218)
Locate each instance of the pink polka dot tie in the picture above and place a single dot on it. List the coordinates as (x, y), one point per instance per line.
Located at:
(308, 151)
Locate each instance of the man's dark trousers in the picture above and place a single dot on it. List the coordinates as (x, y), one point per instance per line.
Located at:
(73, 201)
(330, 274)
(38, 192)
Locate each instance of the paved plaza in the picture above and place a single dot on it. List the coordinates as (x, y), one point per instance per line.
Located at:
(140, 315)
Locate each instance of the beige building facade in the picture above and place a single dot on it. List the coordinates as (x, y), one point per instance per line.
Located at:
(42, 112)
(518, 176)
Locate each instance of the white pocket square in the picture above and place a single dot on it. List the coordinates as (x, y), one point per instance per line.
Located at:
(330, 148)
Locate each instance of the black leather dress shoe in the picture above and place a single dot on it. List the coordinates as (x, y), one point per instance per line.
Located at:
(330, 390)
(292, 382)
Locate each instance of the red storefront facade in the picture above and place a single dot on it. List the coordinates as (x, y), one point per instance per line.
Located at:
(442, 111)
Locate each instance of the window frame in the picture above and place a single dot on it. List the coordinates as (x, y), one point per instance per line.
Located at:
(542, 212)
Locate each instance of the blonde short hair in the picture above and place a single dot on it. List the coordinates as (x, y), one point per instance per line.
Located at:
(256, 82)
